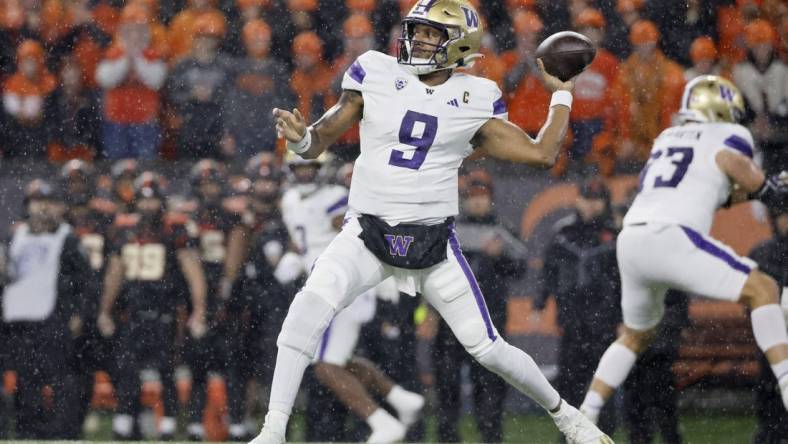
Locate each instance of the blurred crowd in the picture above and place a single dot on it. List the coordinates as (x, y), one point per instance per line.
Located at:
(198, 78)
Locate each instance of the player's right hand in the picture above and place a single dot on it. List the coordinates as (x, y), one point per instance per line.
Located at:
(105, 325)
(290, 125)
(553, 83)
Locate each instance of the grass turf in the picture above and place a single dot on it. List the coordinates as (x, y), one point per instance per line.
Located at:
(696, 429)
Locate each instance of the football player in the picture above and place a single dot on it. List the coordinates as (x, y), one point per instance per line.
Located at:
(695, 167)
(222, 238)
(313, 213)
(419, 119)
(147, 251)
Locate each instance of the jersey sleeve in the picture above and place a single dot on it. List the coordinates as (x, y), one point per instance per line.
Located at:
(738, 139)
(499, 107)
(357, 72)
(337, 205)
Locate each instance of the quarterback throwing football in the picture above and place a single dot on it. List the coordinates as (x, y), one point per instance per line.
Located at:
(418, 120)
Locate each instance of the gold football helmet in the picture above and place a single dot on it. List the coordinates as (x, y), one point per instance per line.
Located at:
(462, 28)
(711, 99)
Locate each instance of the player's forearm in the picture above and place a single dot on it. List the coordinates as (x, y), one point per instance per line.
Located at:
(195, 278)
(551, 136)
(236, 247)
(113, 279)
(338, 119)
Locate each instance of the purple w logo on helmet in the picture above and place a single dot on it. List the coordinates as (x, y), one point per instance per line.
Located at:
(726, 94)
(471, 17)
(399, 245)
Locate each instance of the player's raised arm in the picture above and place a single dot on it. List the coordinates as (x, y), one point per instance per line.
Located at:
(504, 140)
(309, 142)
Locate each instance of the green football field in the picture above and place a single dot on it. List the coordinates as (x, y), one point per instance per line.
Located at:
(696, 429)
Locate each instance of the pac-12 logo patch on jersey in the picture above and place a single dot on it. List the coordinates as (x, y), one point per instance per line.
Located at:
(400, 83)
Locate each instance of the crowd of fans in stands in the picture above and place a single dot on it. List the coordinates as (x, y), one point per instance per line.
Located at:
(188, 79)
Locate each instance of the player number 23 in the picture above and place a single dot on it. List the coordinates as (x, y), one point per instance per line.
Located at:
(680, 157)
(422, 143)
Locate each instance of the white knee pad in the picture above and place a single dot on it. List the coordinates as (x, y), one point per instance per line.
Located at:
(307, 319)
(472, 334)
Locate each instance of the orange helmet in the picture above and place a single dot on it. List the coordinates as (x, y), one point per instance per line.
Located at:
(308, 43)
(526, 22)
(356, 26)
(703, 48)
(30, 49)
(590, 17)
(135, 14)
(759, 32)
(255, 29)
(643, 32)
(301, 5)
(210, 23)
(360, 5)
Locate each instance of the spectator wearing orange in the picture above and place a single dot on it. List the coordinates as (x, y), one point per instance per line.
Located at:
(647, 93)
(158, 32)
(763, 80)
(593, 105)
(259, 81)
(81, 36)
(703, 54)
(490, 66)
(130, 75)
(26, 102)
(182, 27)
(311, 79)
(197, 88)
(76, 110)
(730, 29)
(527, 97)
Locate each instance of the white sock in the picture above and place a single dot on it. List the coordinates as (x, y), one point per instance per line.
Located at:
(277, 421)
(781, 372)
(289, 369)
(519, 369)
(195, 429)
(401, 399)
(380, 419)
(237, 430)
(615, 365)
(768, 326)
(167, 425)
(122, 424)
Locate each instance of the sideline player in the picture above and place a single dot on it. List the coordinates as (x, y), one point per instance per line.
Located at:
(418, 120)
(691, 172)
(313, 213)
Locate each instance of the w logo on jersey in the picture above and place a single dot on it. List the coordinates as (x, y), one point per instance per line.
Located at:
(398, 245)
(471, 18)
(726, 94)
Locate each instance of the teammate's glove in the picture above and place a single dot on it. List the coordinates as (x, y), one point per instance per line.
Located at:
(774, 192)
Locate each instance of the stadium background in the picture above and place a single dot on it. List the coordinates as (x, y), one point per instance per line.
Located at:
(80, 34)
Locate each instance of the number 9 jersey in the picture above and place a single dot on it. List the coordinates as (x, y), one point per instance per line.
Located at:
(681, 183)
(414, 138)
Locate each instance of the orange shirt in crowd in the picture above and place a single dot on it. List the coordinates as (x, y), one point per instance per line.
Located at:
(646, 95)
(529, 102)
(593, 88)
(22, 89)
(131, 102)
(730, 26)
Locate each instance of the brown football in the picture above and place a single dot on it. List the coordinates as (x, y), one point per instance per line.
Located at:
(566, 54)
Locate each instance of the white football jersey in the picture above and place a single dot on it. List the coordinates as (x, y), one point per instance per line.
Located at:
(414, 138)
(308, 218)
(681, 183)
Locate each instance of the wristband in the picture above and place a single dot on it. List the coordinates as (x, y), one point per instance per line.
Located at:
(561, 97)
(303, 145)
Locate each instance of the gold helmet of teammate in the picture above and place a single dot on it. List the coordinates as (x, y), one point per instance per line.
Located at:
(711, 99)
(462, 35)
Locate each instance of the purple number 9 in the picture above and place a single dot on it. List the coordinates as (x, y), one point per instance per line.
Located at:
(422, 143)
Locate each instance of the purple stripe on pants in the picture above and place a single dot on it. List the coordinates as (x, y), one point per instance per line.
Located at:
(702, 243)
(477, 293)
(324, 341)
